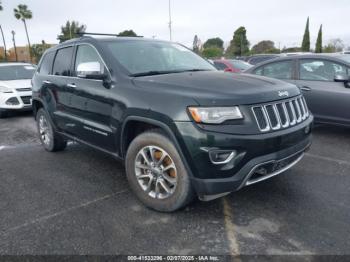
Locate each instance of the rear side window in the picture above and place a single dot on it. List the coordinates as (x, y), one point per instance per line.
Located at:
(46, 64)
(61, 66)
(279, 70)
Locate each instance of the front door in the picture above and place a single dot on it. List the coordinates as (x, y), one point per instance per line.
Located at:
(327, 100)
(91, 101)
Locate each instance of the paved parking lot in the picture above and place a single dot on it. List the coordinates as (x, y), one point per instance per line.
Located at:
(78, 202)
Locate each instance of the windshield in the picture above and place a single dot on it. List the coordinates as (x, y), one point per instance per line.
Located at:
(240, 64)
(142, 57)
(16, 72)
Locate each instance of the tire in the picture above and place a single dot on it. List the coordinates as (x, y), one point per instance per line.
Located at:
(180, 192)
(3, 113)
(49, 139)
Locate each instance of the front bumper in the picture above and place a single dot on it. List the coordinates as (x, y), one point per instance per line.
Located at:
(23, 100)
(253, 152)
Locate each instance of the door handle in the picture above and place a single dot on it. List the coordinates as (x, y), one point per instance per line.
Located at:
(46, 82)
(305, 88)
(72, 85)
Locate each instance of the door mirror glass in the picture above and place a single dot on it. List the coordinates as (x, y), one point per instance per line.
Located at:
(341, 78)
(90, 70)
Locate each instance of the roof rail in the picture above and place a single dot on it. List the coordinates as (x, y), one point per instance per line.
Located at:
(86, 33)
(102, 34)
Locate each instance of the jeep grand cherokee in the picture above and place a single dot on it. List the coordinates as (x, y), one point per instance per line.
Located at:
(181, 127)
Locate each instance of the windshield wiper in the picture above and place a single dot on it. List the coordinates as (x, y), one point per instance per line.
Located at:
(194, 70)
(152, 73)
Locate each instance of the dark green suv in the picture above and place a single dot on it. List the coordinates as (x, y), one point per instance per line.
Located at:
(181, 127)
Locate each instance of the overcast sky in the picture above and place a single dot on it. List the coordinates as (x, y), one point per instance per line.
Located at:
(277, 20)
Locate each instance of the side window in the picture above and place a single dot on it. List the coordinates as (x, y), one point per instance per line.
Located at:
(220, 66)
(85, 55)
(62, 63)
(279, 70)
(320, 70)
(259, 71)
(46, 64)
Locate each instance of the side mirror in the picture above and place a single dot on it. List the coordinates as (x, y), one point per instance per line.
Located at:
(341, 78)
(90, 70)
(228, 70)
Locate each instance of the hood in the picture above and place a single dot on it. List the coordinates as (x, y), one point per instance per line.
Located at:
(219, 88)
(21, 83)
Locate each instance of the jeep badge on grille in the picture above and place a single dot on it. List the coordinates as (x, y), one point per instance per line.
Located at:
(283, 93)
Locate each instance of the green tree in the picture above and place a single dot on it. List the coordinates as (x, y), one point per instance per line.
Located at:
(305, 46)
(130, 33)
(212, 52)
(196, 43)
(334, 45)
(23, 13)
(39, 49)
(71, 30)
(239, 45)
(217, 42)
(265, 47)
(2, 34)
(318, 48)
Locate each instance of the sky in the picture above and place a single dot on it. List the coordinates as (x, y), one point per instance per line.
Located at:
(278, 20)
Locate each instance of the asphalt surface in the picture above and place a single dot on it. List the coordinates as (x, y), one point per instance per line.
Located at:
(78, 202)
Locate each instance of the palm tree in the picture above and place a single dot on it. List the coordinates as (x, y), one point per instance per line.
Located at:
(23, 13)
(2, 34)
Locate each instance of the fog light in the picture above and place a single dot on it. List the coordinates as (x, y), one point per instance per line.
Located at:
(220, 157)
(307, 129)
(12, 101)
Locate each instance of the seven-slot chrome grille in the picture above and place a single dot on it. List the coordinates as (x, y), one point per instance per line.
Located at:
(281, 114)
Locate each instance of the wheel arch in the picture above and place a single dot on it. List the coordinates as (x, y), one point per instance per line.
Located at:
(129, 124)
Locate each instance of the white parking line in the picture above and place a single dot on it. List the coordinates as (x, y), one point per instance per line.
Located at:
(230, 228)
(326, 158)
(43, 218)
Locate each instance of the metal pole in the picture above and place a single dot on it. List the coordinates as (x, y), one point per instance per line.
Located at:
(14, 43)
(170, 22)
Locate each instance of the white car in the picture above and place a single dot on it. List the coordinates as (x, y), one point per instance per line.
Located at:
(15, 87)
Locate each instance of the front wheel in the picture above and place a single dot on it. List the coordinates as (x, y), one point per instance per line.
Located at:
(50, 140)
(156, 172)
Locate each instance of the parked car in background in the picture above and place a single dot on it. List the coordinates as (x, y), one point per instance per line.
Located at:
(324, 80)
(231, 65)
(257, 59)
(15, 87)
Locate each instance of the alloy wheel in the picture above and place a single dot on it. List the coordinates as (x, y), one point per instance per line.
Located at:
(156, 172)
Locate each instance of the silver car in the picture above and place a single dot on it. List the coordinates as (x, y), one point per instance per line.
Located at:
(323, 79)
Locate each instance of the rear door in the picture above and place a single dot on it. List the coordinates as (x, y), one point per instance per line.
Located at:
(328, 100)
(61, 72)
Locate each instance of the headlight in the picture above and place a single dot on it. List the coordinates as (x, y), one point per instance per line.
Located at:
(215, 115)
(4, 89)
